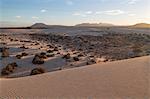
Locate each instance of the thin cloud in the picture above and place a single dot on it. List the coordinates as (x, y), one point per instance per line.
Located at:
(88, 12)
(108, 12)
(132, 1)
(131, 14)
(83, 14)
(79, 14)
(18, 17)
(43, 10)
(35, 17)
(76, 14)
(99, 12)
(114, 12)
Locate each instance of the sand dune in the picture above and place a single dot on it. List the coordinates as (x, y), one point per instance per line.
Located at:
(126, 79)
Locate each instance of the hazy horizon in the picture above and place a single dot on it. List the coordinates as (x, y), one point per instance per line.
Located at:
(72, 12)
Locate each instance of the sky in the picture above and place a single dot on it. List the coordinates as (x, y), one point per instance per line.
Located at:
(71, 12)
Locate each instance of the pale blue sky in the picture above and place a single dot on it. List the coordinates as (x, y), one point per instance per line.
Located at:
(71, 12)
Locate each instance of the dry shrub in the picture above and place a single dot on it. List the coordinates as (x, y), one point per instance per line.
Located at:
(137, 48)
(9, 69)
(37, 60)
(37, 71)
(67, 56)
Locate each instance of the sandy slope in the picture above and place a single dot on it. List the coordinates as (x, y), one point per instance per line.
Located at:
(115, 80)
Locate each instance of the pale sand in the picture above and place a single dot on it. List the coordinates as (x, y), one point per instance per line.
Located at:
(114, 80)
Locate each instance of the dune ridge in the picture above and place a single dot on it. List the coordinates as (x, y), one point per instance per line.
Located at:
(120, 79)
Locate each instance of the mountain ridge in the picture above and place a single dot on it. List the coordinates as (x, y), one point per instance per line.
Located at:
(141, 25)
(45, 26)
(94, 24)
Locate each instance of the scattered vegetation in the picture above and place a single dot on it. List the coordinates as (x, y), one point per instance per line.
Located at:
(76, 58)
(37, 71)
(50, 51)
(18, 56)
(5, 52)
(56, 49)
(38, 59)
(23, 47)
(67, 56)
(24, 54)
(50, 55)
(9, 69)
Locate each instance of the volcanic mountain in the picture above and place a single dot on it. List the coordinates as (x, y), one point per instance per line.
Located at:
(39, 26)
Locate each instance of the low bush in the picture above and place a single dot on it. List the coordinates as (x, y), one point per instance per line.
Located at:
(50, 55)
(38, 60)
(50, 51)
(24, 54)
(9, 69)
(5, 52)
(18, 56)
(67, 56)
(76, 58)
(37, 71)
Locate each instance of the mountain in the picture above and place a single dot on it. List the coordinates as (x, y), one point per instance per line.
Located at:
(141, 25)
(39, 26)
(94, 25)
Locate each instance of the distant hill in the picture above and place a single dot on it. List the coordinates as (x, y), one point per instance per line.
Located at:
(44, 26)
(39, 26)
(94, 25)
(141, 25)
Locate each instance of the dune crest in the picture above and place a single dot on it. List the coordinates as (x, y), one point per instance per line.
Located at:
(120, 79)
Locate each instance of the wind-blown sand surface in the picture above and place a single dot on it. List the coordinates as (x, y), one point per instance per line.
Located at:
(125, 79)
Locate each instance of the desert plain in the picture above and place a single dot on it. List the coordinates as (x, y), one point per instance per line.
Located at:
(74, 62)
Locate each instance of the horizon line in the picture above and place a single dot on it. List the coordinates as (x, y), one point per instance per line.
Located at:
(74, 24)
